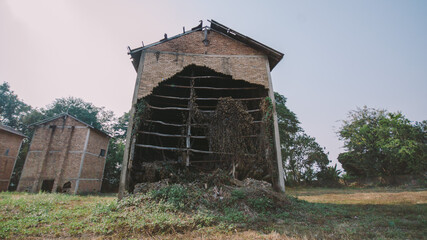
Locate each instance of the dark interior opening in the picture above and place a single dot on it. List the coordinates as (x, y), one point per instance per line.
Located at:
(170, 131)
(47, 185)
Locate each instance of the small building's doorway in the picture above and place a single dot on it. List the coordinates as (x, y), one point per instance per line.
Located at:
(47, 185)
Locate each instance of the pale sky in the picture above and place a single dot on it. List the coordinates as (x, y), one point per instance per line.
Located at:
(339, 55)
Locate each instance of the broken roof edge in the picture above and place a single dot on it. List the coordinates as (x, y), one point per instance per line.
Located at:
(12, 130)
(68, 115)
(273, 55)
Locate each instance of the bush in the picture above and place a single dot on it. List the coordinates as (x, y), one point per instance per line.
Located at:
(238, 194)
(261, 204)
(174, 194)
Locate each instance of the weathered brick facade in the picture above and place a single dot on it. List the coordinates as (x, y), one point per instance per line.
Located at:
(65, 155)
(223, 54)
(227, 61)
(10, 143)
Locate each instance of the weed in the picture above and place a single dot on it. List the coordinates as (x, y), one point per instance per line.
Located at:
(233, 215)
(261, 204)
(174, 194)
(156, 214)
(238, 194)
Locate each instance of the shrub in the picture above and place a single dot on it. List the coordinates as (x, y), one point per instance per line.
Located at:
(261, 204)
(174, 194)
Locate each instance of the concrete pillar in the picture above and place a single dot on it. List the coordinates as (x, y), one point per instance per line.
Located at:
(279, 183)
(125, 164)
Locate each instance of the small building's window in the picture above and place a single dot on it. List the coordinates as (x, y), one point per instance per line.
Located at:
(102, 153)
(7, 152)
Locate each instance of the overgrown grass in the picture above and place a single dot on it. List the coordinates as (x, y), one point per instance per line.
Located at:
(179, 212)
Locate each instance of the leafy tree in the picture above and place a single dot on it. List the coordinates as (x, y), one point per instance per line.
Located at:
(288, 122)
(379, 143)
(329, 174)
(302, 156)
(304, 159)
(113, 165)
(12, 109)
(121, 127)
(98, 117)
(114, 159)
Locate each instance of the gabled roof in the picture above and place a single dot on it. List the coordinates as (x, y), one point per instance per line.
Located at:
(274, 56)
(11, 130)
(62, 115)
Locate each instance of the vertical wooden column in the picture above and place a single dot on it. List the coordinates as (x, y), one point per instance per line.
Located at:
(190, 115)
(279, 184)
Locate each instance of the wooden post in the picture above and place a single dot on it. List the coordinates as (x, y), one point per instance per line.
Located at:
(188, 137)
(279, 185)
(125, 171)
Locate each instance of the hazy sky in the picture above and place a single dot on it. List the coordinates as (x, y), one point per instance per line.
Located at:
(338, 54)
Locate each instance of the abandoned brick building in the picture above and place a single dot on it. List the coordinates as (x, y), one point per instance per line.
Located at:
(181, 83)
(10, 143)
(65, 155)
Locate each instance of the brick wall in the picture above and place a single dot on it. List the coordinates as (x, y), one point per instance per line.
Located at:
(57, 154)
(219, 44)
(10, 144)
(93, 165)
(97, 141)
(223, 54)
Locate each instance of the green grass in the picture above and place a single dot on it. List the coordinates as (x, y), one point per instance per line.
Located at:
(178, 212)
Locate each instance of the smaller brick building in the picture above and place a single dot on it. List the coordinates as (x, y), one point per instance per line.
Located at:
(65, 155)
(10, 143)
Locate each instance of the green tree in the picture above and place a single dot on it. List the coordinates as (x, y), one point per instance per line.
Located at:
(303, 158)
(287, 121)
(121, 126)
(12, 109)
(379, 143)
(113, 165)
(116, 147)
(98, 117)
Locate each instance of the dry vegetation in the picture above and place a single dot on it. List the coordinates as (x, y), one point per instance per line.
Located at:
(378, 196)
(173, 212)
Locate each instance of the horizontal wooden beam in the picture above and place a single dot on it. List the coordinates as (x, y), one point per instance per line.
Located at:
(183, 149)
(165, 123)
(240, 99)
(171, 148)
(170, 97)
(160, 148)
(170, 135)
(175, 124)
(168, 108)
(199, 106)
(202, 77)
(205, 99)
(210, 88)
(161, 134)
(206, 161)
(187, 109)
(183, 125)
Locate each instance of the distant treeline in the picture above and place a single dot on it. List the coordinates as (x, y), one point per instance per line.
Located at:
(376, 142)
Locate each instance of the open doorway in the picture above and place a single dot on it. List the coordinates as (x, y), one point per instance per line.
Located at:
(47, 185)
